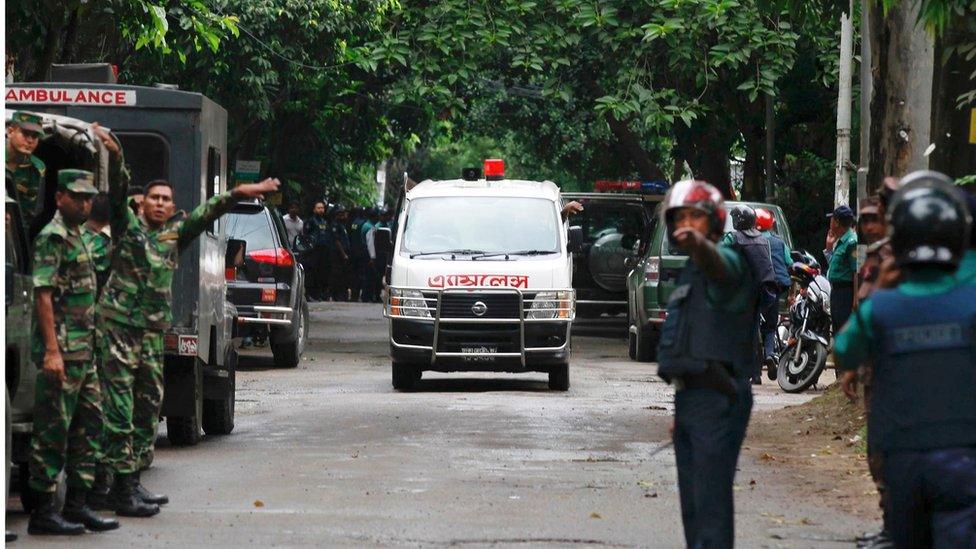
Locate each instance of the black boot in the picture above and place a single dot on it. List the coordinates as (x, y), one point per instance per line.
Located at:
(46, 520)
(125, 501)
(77, 510)
(146, 495)
(98, 497)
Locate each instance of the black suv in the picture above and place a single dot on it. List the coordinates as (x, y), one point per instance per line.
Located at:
(616, 229)
(265, 282)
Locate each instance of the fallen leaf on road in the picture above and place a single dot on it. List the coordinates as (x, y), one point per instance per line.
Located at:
(258, 503)
(595, 515)
(652, 495)
(645, 483)
(767, 457)
(655, 407)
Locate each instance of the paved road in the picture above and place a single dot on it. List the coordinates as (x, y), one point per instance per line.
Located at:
(328, 455)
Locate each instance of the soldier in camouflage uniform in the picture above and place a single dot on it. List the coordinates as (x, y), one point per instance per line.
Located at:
(67, 413)
(134, 311)
(27, 171)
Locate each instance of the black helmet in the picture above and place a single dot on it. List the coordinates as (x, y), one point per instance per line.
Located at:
(744, 219)
(929, 221)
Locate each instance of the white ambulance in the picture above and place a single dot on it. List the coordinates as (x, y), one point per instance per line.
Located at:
(481, 278)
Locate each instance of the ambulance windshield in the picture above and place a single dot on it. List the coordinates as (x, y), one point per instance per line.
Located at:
(469, 225)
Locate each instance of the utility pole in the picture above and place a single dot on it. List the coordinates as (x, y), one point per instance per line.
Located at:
(842, 169)
(867, 87)
(770, 134)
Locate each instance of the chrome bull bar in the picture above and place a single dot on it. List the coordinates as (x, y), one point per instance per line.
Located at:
(420, 305)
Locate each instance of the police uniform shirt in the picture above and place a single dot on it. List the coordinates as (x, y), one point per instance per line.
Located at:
(843, 262)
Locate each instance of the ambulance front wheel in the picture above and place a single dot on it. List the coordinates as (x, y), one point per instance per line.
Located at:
(405, 376)
(559, 378)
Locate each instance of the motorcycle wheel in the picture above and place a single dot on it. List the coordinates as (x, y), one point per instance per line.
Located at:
(798, 376)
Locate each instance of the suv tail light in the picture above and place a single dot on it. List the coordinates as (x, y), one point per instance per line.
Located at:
(652, 269)
(230, 273)
(279, 257)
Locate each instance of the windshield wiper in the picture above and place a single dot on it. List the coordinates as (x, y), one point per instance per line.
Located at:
(519, 252)
(464, 251)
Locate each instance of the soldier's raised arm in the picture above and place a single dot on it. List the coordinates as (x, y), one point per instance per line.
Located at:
(205, 214)
(118, 183)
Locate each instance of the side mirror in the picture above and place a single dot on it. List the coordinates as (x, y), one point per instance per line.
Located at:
(574, 242)
(300, 245)
(234, 257)
(383, 241)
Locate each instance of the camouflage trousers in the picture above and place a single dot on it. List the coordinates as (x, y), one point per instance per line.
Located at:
(132, 381)
(67, 427)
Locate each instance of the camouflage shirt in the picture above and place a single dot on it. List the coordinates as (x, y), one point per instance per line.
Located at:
(138, 291)
(63, 263)
(27, 180)
(100, 246)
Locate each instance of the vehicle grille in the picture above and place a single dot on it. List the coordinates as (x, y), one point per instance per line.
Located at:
(500, 305)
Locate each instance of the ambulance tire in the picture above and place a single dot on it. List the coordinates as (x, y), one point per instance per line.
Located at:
(645, 344)
(559, 378)
(405, 376)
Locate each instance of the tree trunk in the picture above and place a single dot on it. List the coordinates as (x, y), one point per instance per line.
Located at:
(901, 56)
(70, 37)
(752, 179)
(954, 155)
(52, 41)
(628, 141)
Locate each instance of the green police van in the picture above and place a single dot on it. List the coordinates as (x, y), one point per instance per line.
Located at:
(653, 277)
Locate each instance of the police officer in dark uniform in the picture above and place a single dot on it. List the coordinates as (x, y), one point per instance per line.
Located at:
(317, 269)
(339, 254)
(756, 249)
(779, 252)
(708, 350)
(358, 256)
(921, 340)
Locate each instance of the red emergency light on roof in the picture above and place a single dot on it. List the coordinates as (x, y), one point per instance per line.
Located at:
(494, 169)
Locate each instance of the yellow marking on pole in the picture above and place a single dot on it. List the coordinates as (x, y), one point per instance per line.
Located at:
(972, 127)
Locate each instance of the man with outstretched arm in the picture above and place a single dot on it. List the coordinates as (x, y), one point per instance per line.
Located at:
(134, 311)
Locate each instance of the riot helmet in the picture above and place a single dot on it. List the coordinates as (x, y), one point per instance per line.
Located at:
(928, 221)
(744, 219)
(693, 193)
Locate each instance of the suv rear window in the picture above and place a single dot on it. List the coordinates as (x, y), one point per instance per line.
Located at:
(251, 227)
(598, 220)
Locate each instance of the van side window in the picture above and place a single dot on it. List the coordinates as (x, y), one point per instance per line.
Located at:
(146, 155)
(213, 181)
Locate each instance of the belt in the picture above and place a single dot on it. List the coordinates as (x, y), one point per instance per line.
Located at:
(717, 376)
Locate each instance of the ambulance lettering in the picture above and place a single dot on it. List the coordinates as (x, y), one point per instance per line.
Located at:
(478, 280)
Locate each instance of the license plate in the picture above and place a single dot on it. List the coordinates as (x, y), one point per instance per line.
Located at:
(482, 350)
(188, 346)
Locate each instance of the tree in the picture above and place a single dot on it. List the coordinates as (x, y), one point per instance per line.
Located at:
(44, 32)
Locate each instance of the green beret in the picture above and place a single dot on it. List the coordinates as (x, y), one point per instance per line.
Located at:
(27, 121)
(77, 181)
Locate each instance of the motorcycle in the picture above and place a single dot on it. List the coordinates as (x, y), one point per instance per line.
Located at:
(806, 338)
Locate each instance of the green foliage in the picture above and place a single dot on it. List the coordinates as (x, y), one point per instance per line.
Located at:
(806, 196)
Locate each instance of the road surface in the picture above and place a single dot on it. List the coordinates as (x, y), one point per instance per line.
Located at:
(329, 455)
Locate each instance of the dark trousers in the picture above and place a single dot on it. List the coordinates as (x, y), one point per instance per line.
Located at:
(357, 283)
(339, 277)
(317, 272)
(708, 433)
(368, 276)
(932, 497)
(768, 328)
(841, 303)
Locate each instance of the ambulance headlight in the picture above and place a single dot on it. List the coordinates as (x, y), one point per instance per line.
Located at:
(408, 303)
(549, 305)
